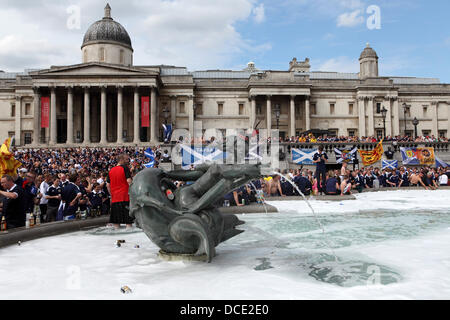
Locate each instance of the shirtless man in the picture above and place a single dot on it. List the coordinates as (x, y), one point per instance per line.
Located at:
(274, 186)
(416, 180)
(343, 171)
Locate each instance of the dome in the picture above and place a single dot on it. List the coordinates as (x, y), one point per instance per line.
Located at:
(368, 52)
(107, 30)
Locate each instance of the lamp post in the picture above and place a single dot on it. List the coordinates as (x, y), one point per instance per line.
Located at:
(166, 114)
(405, 110)
(277, 111)
(415, 123)
(383, 113)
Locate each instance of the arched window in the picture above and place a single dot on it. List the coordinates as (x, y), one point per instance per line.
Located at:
(102, 54)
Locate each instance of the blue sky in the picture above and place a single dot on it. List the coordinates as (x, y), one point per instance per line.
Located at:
(414, 38)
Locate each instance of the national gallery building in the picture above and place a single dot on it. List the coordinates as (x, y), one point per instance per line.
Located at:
(107, 100)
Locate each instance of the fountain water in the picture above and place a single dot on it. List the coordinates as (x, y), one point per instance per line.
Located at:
(263, 200)
(312, 210)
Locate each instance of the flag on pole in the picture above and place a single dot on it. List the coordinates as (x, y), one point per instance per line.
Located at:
(370, 157)
(8, 164)
(149, 154)
(440, 163)
(167, 132)
(303, 156)
(389, 164)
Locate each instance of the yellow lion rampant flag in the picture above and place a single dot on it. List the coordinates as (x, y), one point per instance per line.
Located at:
(8, 164)
(370, 157)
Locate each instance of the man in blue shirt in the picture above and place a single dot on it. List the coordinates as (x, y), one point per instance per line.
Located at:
(320, 158)
(303, 183)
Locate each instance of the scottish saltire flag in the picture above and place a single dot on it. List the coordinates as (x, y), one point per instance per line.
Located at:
(149, 154)
(303, 156)
(345, 155)
(254, 152)
(191, 155)
(440, 163)
(167, 132)
(389, 164)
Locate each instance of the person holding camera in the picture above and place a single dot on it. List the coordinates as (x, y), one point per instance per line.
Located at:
(320, 159)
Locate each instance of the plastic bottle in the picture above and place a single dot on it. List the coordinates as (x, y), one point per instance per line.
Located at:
(31, 220)
(27, 221)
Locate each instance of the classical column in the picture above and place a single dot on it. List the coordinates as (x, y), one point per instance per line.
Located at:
(153, 122)
(136, 138)
(103, 114)
(69, 115)
(307, 115)
(395, 118)
(448, 119)
(53, 128)
(18, 124)
(292, 117)
(434, 118)
(87, 116)
(190, 107)
(37, 119)
(120, 114)
(361, 117)
(173, 110)
(371, 124)
(269, 115)
(252, 118)
(389, 117)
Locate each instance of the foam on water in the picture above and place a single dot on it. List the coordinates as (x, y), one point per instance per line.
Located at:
(389, 245)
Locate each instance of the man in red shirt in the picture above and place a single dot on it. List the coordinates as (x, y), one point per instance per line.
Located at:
(118, 182)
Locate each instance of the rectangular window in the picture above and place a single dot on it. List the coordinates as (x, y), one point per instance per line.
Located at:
(199, 109)
(220, 109)
(408, 133)
(27, 109)
(27, 138)
(241, 109)
(331, 108)
(443, 133)
(379, 134)
(333, 132)
(297, 111)
(182, 109)
(378, 107)
(313, 108)
(13, 110)
(425, 109)
(426, 133)
(350, 108)
(351, 132)
(258, 109)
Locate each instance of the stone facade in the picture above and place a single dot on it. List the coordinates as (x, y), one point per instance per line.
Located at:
(97, 102)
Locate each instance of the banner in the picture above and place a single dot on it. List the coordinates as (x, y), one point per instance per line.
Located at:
(303, 156)
(389, 164)
(198, 155)
(45, 112)
(145, 112)
(370, 157)
(344, 155)
(418, 156)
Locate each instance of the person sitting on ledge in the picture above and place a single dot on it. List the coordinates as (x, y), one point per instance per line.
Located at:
(416, 180)
(394, 180)
(303, 183)
(346, 186)
(331, 185)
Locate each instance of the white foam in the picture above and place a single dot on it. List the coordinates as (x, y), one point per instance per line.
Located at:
(48, 268)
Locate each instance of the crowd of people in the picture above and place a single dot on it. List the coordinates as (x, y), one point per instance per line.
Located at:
(354, 139)
(65, 184)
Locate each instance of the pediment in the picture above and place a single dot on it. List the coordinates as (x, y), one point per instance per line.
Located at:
(93, 69)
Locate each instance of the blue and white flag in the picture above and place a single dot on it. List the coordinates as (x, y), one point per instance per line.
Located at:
(167, 132)
(303, 156)
(149, 154)
(197, 155)
(389, 164)
(440, 163)
(255, 152)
